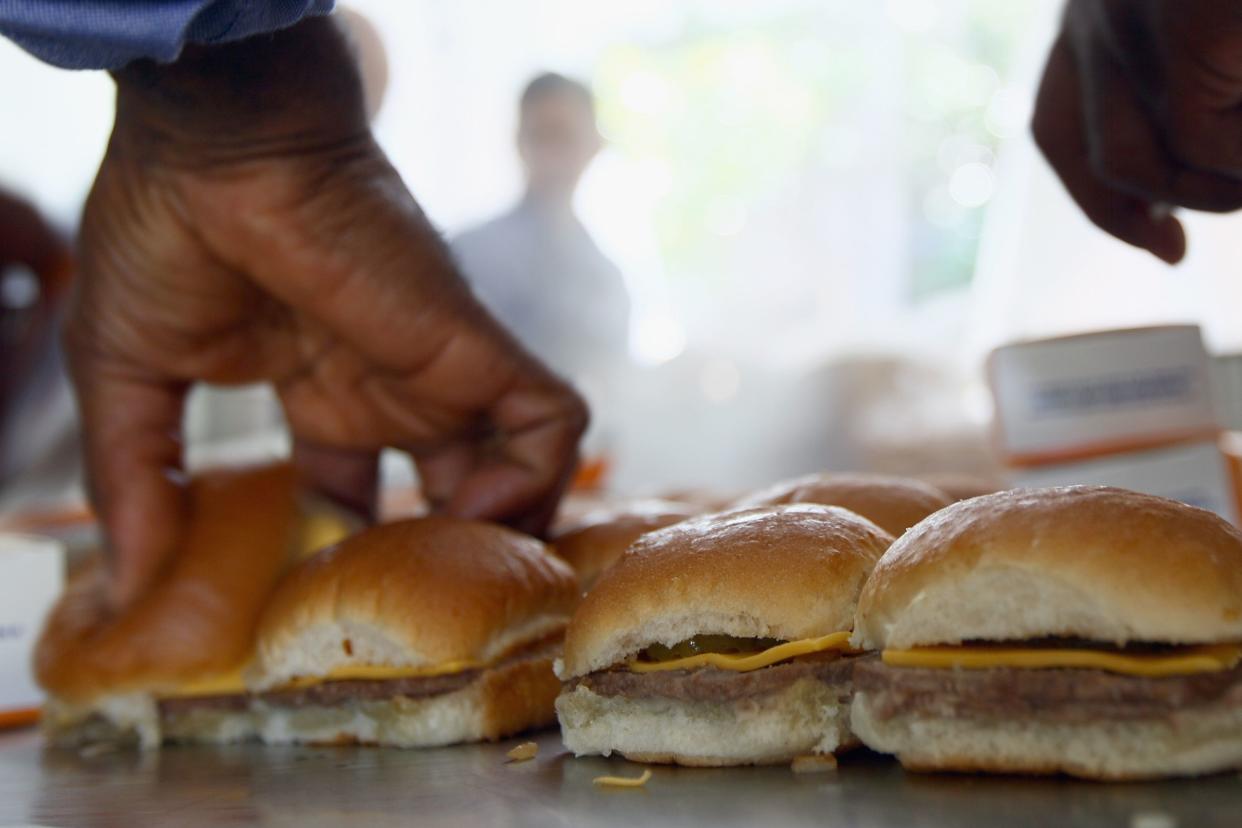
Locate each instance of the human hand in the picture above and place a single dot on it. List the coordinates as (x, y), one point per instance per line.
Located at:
(1138, 112)
(245, 227)
(28, 241)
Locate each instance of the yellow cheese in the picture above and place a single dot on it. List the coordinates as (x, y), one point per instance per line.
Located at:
(753, 661)
(319, 529)
(229, 683)
(1198, 659)
(623, 781)
(380, 672)
(224, 684)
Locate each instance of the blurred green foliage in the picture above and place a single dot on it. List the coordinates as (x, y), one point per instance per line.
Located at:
(723, 115)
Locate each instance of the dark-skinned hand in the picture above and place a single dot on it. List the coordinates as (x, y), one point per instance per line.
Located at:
(1140, 111)
(245, 227)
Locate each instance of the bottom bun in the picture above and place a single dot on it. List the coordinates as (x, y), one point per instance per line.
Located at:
(134, 719)
(500, 702)
(120, 720)
(1188, 743)
(209, 727)
(805, 717)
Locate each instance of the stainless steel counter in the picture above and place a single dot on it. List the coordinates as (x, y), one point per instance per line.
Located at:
(472, 786)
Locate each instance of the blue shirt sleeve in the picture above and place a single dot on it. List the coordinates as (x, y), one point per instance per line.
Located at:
(107, 34)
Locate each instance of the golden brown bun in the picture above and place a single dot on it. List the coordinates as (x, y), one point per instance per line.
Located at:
(892, 503)
(1080, 561)
(601, 536)
(198, 620)
(577, 505)
(961, 485)
(707, 500)
(785, 572)
(415, 593)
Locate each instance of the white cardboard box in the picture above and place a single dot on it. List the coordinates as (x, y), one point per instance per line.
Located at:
(1194, 473)
(1100, 392)
(32, 574)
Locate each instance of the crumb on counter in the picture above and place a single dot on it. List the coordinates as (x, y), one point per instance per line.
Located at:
(522, 752)
(623, 781)
(814, 763)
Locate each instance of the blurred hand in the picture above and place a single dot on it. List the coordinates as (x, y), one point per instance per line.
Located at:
(244, 227)
(27, 240)
(1139, 111)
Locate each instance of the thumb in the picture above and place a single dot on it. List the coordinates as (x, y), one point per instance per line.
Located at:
(131, 433)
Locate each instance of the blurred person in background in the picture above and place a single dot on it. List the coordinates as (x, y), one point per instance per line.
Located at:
(536, 267)
(245, 227)
(38, 435)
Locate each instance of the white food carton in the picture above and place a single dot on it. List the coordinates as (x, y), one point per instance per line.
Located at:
(32, 574)
(1195, 473)
(1092, 394)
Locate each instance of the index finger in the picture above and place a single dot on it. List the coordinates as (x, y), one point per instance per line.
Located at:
(520, 478)
(130, 433)
(1060, 130)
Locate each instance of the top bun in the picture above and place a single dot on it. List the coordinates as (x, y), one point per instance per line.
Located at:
(962, 485)
(1091, 562)
(415, 593)
(892, 503)
(198, 620)
(601, 536)
(784, 572)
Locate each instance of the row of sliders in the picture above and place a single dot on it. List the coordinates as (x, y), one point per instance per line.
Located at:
(416, 633)
(1082, 630)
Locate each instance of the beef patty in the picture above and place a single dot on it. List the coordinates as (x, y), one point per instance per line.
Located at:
(1070, 695)
(333, 693)
(225, 703)
(715, 685)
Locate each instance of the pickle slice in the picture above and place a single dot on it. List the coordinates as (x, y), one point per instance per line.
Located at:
(727, 644)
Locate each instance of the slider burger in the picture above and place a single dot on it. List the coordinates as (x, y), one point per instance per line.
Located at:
(962, 485)
(599, 538)
(721, 640)
(169, 667)
(892, 503)
(1083, 630)
(418, 633)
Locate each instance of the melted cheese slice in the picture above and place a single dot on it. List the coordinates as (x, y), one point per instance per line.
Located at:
(224, 684)
(230, 683)
(319, 529)
(380, 672)
(752, 661)
(1202, 659)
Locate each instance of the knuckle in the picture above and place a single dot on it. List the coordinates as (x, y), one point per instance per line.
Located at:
(1205, 191)
(1112, 165)
(1203, 149)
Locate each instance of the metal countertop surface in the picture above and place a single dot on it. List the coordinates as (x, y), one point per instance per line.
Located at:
(473, 786)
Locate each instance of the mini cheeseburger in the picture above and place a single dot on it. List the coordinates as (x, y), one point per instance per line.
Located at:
(598, 539)
(1083, 630)
(418, 633)
(962, 485)
(721, 640)
(892, 503)
(169, 667)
